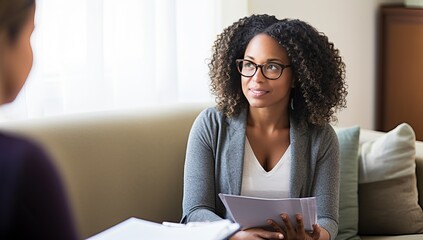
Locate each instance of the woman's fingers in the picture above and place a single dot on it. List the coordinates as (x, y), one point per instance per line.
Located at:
(259, 233)
(316, 232)
(288, 226)
(300, 226)
(276, 226)
(289, 231)
(271, 235)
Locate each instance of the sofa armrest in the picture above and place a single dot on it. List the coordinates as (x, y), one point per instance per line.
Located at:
(118, 164)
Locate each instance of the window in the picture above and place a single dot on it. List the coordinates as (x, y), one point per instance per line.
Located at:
(114, 54)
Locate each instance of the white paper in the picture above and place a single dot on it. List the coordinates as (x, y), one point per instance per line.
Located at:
(136, 229)
(254, 212)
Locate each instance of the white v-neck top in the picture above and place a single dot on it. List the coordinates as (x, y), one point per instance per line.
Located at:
(257, 182)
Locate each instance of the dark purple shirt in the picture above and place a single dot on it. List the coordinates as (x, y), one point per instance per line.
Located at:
(33, 202)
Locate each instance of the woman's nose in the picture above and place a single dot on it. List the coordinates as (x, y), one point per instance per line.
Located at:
(258, 76)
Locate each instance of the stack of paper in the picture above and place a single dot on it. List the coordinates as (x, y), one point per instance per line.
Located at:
(136, 229)
(254, 212)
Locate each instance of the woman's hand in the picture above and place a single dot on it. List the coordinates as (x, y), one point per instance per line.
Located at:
(291, 233)
(256, 233)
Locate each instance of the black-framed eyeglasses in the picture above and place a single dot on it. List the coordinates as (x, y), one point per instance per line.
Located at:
(270, 70)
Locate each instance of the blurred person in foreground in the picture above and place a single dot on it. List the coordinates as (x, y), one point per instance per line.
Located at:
(33, 201)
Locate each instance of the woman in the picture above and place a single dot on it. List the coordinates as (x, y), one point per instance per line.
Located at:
(278, 84)
(33, 204)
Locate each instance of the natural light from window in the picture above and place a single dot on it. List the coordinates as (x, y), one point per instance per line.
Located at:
(95, 55)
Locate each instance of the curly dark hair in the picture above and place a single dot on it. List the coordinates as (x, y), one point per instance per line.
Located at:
(318, 70)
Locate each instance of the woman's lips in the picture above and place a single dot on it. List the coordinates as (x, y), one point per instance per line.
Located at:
(258, 92)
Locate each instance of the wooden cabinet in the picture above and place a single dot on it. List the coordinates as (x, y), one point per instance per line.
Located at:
(400, 68)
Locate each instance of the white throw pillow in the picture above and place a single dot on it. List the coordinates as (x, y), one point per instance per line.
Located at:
(390, 156)
(387, 190)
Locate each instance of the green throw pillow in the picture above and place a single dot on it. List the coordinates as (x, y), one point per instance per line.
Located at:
(348, 193)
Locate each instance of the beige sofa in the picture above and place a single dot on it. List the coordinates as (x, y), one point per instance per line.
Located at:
(128, 163)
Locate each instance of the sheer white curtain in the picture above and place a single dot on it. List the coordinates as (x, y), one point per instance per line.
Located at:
(92, 55)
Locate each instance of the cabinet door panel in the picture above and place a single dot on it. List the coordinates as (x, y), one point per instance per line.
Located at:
(402, 70)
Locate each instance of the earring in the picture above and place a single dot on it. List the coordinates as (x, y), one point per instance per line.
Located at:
(292, 103)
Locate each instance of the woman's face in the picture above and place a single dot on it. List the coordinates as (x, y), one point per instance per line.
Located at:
(260, 91)
(16, 61)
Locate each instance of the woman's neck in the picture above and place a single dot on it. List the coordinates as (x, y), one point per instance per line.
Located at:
(268, 119)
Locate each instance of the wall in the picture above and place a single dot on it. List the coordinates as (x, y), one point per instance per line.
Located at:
(351, 25)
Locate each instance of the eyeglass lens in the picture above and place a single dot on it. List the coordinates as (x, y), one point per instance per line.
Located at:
(270, 70)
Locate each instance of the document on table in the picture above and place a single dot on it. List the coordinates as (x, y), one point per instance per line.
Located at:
(254, 212)
(136, 229)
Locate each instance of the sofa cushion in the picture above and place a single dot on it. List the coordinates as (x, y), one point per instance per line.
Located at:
(348, 199)
(388, 197)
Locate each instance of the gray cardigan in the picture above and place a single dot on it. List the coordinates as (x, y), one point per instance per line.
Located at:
(214, 161)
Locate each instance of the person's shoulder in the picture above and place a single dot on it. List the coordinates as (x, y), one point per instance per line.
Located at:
(17, 147)
(12, 141)
(24, 156)
(210, 118)
(211, 114)
(324, 131)
(327, 128)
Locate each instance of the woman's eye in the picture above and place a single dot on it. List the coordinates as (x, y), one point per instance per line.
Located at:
(272, 67)
(248, 65)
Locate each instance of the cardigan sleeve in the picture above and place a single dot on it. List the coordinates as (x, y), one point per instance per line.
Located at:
(326, 180)
(199, 176)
